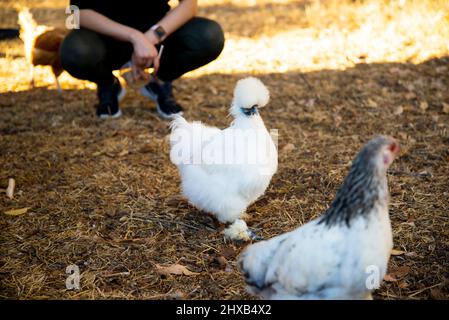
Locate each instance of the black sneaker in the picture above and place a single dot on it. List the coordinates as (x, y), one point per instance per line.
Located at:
(109, 97)
(162, 94)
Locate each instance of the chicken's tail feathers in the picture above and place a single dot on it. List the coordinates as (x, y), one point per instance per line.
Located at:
(180, 147)
(255, 260)
(178, 122)
(26, 21)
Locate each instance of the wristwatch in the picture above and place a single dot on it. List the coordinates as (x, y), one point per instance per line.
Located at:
(159, 32)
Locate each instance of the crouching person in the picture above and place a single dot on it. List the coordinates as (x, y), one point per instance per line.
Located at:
(115, 32)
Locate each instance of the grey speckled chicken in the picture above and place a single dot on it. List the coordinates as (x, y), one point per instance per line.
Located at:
(336, 255)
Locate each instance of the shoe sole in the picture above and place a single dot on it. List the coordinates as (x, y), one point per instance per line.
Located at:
(116, 115)
(153, 97)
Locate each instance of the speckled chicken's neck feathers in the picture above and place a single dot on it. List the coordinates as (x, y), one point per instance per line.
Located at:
(363, 189)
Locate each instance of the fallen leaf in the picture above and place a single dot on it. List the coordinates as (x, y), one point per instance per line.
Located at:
(398, 111)
(145, 149)
(288, 147)
(423, 105)
(437, 294)
(411, 254)
(402, 271)
(399, 272)
(229, 253)
(16, 212)
(389, 278)
(372, 103)
(445, 107)
(174, 269)
(395, 252)
(222, 261)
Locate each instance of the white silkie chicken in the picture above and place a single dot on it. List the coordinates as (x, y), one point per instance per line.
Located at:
(342, 254)
(224, 171)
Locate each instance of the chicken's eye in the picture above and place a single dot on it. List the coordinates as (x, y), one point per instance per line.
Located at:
(393, 147)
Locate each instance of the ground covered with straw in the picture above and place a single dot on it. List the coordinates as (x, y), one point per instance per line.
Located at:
(103, 194)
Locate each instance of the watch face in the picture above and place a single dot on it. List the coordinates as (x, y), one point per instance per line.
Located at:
(160, 32)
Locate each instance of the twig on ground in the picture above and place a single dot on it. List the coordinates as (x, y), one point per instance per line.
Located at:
(10, 189)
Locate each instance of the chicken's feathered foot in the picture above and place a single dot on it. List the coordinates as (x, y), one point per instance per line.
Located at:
(239, 231)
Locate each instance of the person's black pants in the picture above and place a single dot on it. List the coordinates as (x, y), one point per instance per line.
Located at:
(88, 55)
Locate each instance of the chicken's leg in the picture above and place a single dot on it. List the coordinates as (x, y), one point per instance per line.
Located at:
(254, 236)
(57, 70)
(58, 85)
(31, 75)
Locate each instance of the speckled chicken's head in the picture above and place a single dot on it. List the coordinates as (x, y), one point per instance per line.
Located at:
(378, 154)
(250, 94)
(366, 184)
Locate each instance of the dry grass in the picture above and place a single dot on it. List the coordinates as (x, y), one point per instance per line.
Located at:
(104, 196)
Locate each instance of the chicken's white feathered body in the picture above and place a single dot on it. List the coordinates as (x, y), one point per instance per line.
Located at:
(224, 190)
(317, 262)
(340, 255)
(215, 175)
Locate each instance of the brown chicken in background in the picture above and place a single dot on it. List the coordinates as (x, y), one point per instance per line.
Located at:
(41, 44)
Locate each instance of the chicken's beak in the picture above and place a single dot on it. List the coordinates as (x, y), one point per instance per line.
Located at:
(250, 111)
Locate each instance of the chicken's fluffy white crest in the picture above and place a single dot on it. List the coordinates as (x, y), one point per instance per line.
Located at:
(249, 92)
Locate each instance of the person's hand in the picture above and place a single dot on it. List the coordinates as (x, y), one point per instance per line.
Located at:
(153, 40)
(145, 55)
